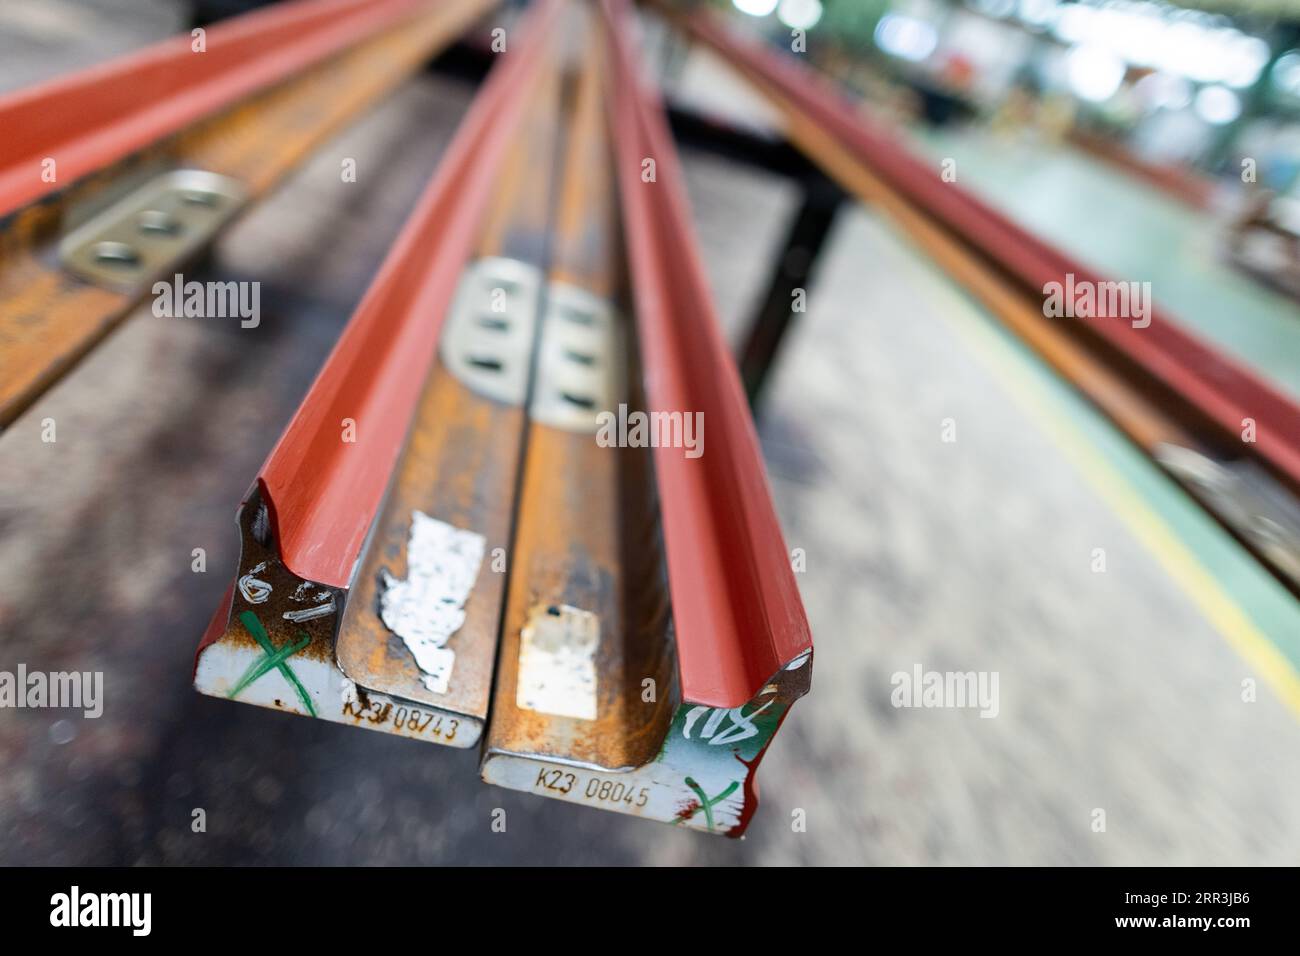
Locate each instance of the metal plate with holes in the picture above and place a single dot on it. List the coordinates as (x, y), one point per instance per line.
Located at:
(153, 230)
(581, 361)
(487, 340)
(1247, 499)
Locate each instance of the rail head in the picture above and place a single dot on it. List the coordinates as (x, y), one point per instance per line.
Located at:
(737, 613)
(324, 479)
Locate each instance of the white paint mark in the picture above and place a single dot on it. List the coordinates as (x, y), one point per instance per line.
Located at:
(741, 727)
(334, 695)
(428, 607)
(254, 591)
(311, 613)
(436, 662)
(800, 661)
(557, 662)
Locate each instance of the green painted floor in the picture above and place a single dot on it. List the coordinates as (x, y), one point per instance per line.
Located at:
(1142, 234)
(1130, 231)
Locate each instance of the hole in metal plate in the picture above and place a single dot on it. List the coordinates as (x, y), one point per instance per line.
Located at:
(152, 230)
(582, 358)
(201, 197)
(487, 337)
(117, 255)
(157, 222)
(578, 316)
(579, 362)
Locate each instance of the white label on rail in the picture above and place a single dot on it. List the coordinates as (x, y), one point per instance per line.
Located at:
(427, 607)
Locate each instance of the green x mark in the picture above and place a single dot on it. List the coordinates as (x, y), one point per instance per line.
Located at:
(706, 804)
(273, 659)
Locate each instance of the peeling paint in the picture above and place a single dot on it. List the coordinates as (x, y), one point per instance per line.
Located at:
(427, 607)
(557, 662)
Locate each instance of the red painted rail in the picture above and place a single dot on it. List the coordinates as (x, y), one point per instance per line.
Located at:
(736, 610)
(1193, 377)
(322, 491)
(101, 115)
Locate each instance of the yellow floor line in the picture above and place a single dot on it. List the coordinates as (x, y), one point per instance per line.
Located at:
(1179, 562)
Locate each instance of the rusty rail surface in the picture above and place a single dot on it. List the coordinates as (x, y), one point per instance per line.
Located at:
(260, 94)
(318, 494)
(641, 639)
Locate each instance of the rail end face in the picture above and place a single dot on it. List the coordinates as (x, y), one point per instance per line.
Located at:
(272, 644)
(702, 778)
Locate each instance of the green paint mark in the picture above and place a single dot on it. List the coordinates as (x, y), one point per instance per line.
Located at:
(260, 667)
(706, 804)
(273, 659)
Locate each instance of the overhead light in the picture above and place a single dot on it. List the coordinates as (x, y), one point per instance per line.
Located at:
(755, 8)
(1286, 72)
(1075, 23)
(1164, 91)
(1191, 44)
(1217, 105)
(1094, 73)
(995, 8)
(906, 37)
(799, 14)
(1245, 58)
(1038, 13)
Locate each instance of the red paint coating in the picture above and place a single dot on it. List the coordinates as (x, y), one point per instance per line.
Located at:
(688, 810)
(216, 628)
(101, 115)
(1192, 375)
(750, 789)
(736, 609)
(322, 492)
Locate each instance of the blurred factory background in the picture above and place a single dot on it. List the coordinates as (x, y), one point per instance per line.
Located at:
(1120, 131)
(1200, 100)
